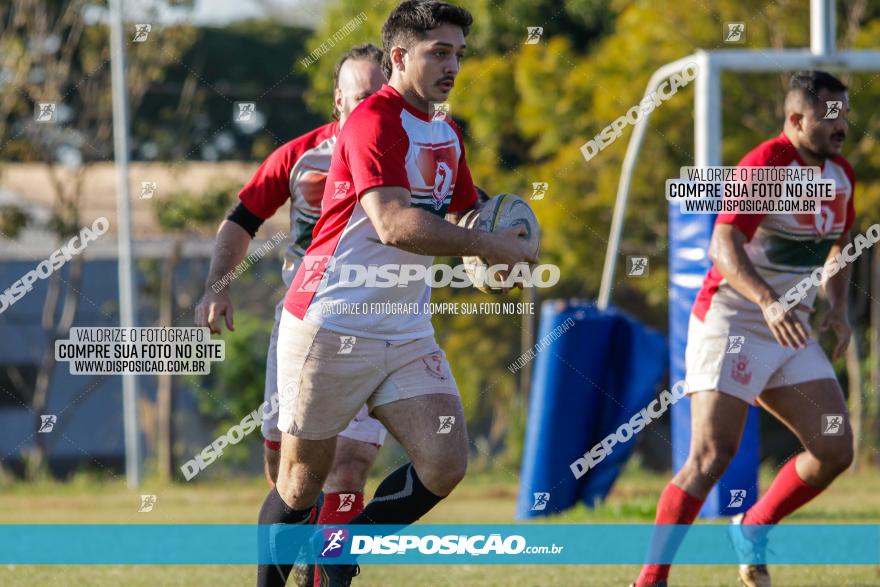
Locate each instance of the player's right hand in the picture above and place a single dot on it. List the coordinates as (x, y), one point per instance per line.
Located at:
(787, 328)
(506, 248)
(211, 307)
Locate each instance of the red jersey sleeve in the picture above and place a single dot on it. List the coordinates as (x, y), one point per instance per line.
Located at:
(375, 152)
(464, 196)
(762, 156)
(269, 188)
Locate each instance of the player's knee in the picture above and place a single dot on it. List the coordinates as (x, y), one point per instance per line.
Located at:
(442, 474)
(349, 473)
(712, 461)
(298, 485)
(836, 458)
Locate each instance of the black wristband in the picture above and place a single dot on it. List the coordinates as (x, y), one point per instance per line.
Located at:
(246, 219)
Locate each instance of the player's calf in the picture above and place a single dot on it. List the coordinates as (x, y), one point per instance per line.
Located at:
(303, 467)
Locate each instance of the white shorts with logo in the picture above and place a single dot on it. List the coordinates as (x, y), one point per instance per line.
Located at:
(734, 352)
(362, 427)
(325, 378)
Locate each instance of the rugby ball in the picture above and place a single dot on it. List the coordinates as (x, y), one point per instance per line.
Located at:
(496, 214)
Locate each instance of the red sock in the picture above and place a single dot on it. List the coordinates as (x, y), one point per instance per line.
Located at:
(675, 507)
(340, 508)
(787, 493)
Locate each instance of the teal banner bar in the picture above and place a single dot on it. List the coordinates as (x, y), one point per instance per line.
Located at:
(568, 544)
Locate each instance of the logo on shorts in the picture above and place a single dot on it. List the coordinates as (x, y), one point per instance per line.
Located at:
(346, 502)
(740, 370)
(434, 366)
(333, 541)
(147, 503)
(446, 423)
(737, 497)
(832, 424)
(541, 501)
(735, 344)
(47, 423)
(346, 344)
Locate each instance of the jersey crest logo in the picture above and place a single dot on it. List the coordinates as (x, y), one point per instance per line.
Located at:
(442, 183)
(824, 220)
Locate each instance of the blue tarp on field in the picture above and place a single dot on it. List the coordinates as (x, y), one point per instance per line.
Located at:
(593, 371)
(689, 236)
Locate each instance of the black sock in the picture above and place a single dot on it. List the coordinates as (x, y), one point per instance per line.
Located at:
(275, 511)
(400, 499)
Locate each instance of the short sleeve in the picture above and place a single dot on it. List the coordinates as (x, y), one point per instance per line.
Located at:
(747, 223)
(269, 188)
(375, 156)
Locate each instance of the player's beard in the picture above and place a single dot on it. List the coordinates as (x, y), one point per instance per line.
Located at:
(823, 148)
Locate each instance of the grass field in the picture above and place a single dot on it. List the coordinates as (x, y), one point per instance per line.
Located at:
(482, 498)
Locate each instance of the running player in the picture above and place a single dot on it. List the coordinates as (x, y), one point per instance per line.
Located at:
(756, 259)
(396, 171)
(297, 171)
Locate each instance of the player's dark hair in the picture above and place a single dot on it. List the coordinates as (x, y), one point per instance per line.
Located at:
(809, 83)
(365, 52)
(411, 21)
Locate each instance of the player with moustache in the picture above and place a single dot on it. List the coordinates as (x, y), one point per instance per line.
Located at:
(395, 174)
(296, 172)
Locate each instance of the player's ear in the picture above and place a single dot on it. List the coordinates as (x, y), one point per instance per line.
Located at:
(796, 119)
(397, 63)
(337, 101)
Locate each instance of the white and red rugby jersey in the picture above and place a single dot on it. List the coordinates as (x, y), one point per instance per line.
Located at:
(295, 171)
(784, 248)
(385, 142)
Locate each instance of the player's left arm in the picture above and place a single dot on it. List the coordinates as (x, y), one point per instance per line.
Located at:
(837, 290)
